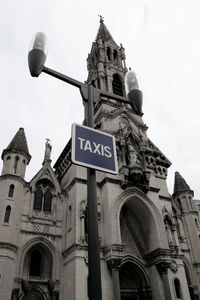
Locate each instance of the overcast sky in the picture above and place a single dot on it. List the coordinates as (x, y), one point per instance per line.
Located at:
(162, 42)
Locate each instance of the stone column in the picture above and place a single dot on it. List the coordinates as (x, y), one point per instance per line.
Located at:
(113, 265)
(162, 268)
(55, 295)
(15, 294)
(82, 216)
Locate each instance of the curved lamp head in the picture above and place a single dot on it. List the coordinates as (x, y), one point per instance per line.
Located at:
(131, 82)
(133, 93)
(37, 54)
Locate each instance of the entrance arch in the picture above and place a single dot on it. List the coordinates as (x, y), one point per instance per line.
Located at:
(34, 294)
(134, 284)
(144, 220)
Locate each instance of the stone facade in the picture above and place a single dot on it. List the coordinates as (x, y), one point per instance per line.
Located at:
(149, 240)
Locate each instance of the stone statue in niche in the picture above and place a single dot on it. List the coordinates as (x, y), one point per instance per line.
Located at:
(169, 228)
(134, 162)
(132, 155)
(181, 231)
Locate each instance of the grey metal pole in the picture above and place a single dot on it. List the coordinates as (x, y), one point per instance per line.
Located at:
(94, 280)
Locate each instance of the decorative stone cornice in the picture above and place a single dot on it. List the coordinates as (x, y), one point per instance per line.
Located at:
(99, 184)
(113, 255)
(14, 177)
(162, 198)
(8, 246)
(74, 181)
(32, 232)
(154, 189)
(158, 254)
(73, 248)
(108, 179)
(180, 193)
(190, 212)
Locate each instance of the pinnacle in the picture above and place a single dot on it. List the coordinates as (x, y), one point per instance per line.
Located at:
(180, 184)
(18, 143)
(103, 33)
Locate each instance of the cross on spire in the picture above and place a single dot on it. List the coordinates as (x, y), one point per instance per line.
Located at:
(101, 18)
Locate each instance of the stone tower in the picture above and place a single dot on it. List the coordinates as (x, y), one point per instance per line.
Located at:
(139, 247)
(106, 63)
(12, 184)
(187, 222)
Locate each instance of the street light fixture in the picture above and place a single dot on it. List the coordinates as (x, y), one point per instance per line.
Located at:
(90, 95)
(37, 55)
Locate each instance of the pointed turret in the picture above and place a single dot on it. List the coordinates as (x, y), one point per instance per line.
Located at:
(180, 185)
(182, 193)
(16, 156)
(18, 145)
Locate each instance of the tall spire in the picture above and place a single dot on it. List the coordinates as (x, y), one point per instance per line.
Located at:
(18, 145)
(180, 184)
(106, 62)
(103, 32)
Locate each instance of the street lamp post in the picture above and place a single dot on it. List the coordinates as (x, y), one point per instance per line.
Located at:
(90, 95)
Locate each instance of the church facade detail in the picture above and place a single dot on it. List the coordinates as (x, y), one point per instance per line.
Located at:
(149, 239)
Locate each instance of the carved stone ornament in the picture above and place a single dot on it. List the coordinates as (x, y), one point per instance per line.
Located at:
(114, 263)
(174, 266)
(163, 266)
(86, 258)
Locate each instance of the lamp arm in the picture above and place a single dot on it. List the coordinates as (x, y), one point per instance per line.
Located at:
(82, 87)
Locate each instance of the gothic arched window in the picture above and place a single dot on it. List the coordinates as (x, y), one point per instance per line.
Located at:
(11, 190)
(47, 201)
(109, 53)
(43, 196)
(15, 164)
(7, 214)
(177, 288)
(115, 54)
(196, 223)
(117, 85)
(38, 199)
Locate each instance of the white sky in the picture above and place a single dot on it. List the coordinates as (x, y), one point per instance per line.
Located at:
(162, 42)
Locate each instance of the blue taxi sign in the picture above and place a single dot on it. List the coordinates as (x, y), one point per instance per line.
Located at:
(94, 149)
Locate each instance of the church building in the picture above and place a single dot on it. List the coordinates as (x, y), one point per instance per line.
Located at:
(149, 240)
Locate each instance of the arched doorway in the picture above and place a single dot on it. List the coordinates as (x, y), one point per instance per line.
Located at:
(38, 263)
(34, 294)
(139, 221)
(37, 271)
(133, 283)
